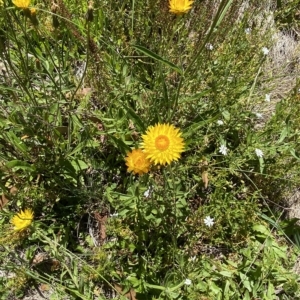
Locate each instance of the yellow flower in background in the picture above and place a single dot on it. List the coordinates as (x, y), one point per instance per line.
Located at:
(137, 162)
(21, 3)
(163, 143)
(180, 7)
(33, 12)
(22, 220)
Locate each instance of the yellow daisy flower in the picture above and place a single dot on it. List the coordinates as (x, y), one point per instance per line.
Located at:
(162, 143)
(22, 220)
(180, 7)
(137, 162)
(21, 3)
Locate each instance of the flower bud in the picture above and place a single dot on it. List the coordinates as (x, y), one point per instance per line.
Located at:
(55, 22)
(33, 17)
(89, 14)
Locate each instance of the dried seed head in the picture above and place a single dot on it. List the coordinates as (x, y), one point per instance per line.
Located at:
(54, 7)
(89, 14)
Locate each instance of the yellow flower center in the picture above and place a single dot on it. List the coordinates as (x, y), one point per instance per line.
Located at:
(162, 142)
(139, 161)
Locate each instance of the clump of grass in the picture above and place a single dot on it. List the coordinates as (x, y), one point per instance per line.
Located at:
(142, 140)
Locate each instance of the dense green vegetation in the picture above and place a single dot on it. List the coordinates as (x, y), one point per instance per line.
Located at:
(81, 84)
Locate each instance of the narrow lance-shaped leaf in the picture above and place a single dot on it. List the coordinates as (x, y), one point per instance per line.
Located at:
(151, 54)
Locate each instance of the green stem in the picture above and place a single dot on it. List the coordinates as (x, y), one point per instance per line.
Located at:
(86, 63)
(253, 86)
(224, 5)
(174, 225)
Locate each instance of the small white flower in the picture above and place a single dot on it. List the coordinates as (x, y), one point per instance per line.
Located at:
(268, 97)
(259, 153)
(192, 258)
(188, 282)
(247, 30)
(209, 46)
(148, 192)
(265, 50)
(223, 150)
(208, 221)
(220, 122)
(259, 115)
(114, 215)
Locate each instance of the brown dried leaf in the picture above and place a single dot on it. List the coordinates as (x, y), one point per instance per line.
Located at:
(44, 287)
(204, 171)
(5, 198)
(13, 190)
(131, 295)
(131, 125)
(44, 262)
(39, 258)
(3, 201)
(84, 92)
(205, 178)
(80, 94)
(103, 229)
(101, 224)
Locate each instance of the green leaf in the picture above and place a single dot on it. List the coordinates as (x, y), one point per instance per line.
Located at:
(247, 296)
(271, 292)
(79, 165)
(155, 287)
(223, 12)
(226, 115)
(293, 152)
(245, 282)
(297, 238)
(198, 123)
(151, 54)
(78, 148)
(120, 144)
(193, 97)
(226, 289)
(280, 251)
(68, 167)
(261, 228)
(283, 135)
(276, 225)
(261, 164)
(214, 288)
(140, 124)
(16, 142)
(226, 273)
(20, 165)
